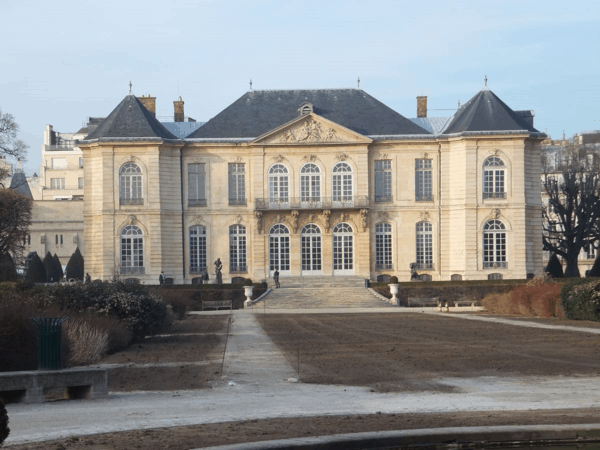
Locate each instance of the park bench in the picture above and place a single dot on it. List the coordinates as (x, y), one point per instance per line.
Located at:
(28, 386)
(217, 305)
(420, 302)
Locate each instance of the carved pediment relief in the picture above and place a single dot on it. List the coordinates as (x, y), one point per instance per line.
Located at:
(310, 129)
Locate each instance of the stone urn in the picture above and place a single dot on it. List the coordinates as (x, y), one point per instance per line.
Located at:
(394, 292)
(248, 293)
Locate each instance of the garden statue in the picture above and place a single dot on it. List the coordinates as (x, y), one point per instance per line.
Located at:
(218, 267)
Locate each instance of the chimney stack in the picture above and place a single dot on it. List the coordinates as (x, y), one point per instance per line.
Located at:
(149, 103)
(178, 106)
(422, 106)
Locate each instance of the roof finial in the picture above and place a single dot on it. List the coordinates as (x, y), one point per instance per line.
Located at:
(459, 104)
(485, 80)
(130, 88)
(358, 81)
(250, 84)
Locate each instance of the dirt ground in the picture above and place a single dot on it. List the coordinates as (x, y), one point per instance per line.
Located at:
(399, 352)
(195, 339)
(408, 352)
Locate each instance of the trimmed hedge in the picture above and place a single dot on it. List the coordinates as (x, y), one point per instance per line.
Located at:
(554, 267)
(36, 272)
(75, 266)
(58, 266)
(8, 270)
(581, 300)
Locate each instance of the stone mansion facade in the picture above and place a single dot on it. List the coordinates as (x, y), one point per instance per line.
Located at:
(314, 182)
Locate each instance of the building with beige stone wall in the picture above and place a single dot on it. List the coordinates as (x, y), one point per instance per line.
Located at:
(314, 183)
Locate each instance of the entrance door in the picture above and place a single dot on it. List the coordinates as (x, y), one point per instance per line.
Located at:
(311, 250)
(279, 250)
(343, 249)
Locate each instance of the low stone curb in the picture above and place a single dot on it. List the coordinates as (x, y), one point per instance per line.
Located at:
(499, 435)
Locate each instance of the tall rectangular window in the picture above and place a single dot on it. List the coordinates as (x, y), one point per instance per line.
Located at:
(237, 249)
(197, 249)
(383, 246)
(57, 183)
(423, 180)
(196, 184)
(383, 181)
(424, 246)
(80, 183)
(80, 163)
(237, 184)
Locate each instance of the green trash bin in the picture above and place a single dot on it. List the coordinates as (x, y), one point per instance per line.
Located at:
(49, 331)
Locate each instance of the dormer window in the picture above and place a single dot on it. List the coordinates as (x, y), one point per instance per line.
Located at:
(305, 108)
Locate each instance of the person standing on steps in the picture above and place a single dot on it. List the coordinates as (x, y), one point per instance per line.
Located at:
(276, 278)
(161, 278)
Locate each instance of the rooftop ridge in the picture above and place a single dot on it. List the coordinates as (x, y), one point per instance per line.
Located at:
(319, 89)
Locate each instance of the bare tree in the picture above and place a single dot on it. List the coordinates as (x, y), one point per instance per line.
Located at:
(15, 218)
(572, 207)
(10, 146)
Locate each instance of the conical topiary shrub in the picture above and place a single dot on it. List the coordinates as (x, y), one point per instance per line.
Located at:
(4, 430)
(8, 270)
(58, 267)
(50, 266)
(554, 267)
(75, 266)
(36, 271)
(595, 270)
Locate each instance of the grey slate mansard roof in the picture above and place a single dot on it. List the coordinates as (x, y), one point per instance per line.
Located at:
(130, 119)
(19, 184)
(257, 112)
(486, 112)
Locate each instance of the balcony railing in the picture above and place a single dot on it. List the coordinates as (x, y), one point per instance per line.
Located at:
(131, 201)
(384, 198)
(494, 195)
(238, 269)
(237, 201)
(424, 266)
(424, 197)
(133, 270)
(337, 202)
(384, 267)
(495, 265)
(197, 202)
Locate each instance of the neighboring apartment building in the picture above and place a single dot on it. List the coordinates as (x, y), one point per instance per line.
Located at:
(314, 182)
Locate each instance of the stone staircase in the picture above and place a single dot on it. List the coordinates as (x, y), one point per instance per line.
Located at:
(321, 292)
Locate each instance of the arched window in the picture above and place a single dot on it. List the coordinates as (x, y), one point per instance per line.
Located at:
(494, 245)
(343, 249)
(311, 249)
(132, 250)
(237, 249)
(494, 176)
(279, 249)
(197, 249)
(278, 184)
(342, 183)
(424, 245)
(310, 184)
(383, 247)
(130, 185)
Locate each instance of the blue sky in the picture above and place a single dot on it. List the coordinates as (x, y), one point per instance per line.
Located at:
(64, 61)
